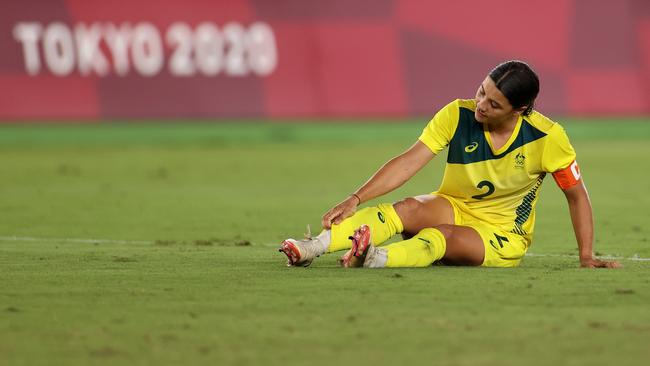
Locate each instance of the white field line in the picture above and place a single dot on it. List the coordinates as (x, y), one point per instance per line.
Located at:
(75, 240)
(112, 241)
(608, 257)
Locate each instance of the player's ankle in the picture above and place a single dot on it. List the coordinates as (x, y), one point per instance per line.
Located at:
(375, 257)
(324, 239)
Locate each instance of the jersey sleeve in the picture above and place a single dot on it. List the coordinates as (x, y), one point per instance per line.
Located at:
(439, 131)
(558, 152)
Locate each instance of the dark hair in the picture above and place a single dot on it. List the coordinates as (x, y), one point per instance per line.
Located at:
(518, 82)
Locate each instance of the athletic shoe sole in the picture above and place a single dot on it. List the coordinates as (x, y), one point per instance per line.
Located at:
(360, 245)
(361, 241)
(293, 254)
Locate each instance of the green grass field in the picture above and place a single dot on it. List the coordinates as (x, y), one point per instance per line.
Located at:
(156, 244)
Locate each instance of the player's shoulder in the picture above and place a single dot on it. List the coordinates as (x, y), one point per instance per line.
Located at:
(453, 110)
(456, 104)
(465, 103)
(544, 124)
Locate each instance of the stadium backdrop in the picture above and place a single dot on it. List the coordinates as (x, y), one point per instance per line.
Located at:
(94, 59)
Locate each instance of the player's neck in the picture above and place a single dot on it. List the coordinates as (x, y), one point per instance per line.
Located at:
(504, 127)
(500, 133)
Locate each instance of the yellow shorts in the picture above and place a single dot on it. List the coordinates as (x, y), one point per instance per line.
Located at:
(502, 248)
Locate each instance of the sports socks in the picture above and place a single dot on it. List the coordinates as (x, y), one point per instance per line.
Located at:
(323, 241)
(428, 246)
(382, 220)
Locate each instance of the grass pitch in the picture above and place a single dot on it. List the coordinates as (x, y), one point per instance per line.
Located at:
(155, 244)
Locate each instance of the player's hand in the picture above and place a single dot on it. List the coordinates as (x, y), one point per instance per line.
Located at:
(597, 263)
(340, 212)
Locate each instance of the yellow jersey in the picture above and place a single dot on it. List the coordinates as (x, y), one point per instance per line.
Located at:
(500, 187)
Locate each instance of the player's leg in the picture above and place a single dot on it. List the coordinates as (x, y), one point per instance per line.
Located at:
(424, 211)
(385, 220)
(409, 215)
(429, 223)
(453, 244)
(464, 246)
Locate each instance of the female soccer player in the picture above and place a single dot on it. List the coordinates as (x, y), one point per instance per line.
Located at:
(483, 214)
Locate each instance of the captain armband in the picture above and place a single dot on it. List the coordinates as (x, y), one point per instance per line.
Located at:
(567, 177)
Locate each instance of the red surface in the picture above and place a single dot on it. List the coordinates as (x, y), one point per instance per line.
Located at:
(528, 30)
(340, 58)
(48, 97)
(359, 70)
(600, 92)
(160, 12)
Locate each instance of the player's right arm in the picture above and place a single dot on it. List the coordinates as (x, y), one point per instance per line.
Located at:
(435, 137)
(390, 176)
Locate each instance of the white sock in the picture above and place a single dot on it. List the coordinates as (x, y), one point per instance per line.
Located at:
(324, 239)
(376, 257)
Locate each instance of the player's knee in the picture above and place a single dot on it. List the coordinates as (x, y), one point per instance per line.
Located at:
(446, 230)
(407, 207)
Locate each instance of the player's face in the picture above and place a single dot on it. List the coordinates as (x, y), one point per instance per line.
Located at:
(492, 107)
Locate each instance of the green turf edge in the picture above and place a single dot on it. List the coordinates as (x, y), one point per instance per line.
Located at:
(228, 132)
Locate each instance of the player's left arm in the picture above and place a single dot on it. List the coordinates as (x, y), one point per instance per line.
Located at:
(574, 189)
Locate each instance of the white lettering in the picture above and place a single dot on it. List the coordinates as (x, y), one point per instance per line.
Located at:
(117, 40)
(262, 51)
(575, 170)
(58, 47)
(209, 49)
(29, 33)
(89, 55)
(146, 49)
(102, 48)
(234, 35)
(179, 37)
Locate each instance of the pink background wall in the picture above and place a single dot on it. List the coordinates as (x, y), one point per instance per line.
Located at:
(312, 58)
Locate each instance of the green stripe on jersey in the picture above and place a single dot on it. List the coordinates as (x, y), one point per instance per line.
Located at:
(468, 145)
